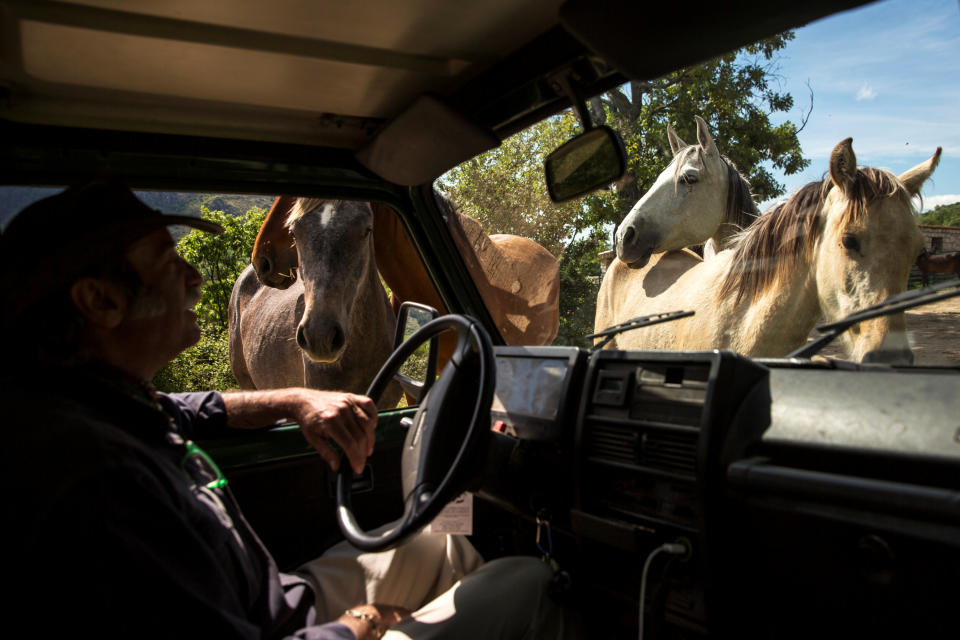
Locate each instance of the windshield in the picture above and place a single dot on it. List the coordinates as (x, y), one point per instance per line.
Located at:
(719, 148)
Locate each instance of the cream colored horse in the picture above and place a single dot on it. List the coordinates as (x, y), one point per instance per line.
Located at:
(835, 247)
(700, 197)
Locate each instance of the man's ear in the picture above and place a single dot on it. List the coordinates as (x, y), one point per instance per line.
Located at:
(102, 303)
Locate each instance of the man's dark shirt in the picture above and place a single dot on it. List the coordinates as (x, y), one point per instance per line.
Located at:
(109, 534)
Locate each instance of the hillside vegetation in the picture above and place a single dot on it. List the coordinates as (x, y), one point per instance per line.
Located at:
(14, 199)
(947, 215)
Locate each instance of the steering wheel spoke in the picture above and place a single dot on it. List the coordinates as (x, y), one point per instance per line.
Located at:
(448, 437)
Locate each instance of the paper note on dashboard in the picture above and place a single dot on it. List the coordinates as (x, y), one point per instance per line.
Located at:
(456, 517)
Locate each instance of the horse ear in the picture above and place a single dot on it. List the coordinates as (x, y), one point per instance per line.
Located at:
(704, 137)
(914, 178)
(843, 165)
(676, 144)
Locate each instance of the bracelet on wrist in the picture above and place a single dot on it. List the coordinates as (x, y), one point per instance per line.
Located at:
(366, 617)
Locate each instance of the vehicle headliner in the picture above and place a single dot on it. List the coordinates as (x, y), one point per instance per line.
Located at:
(332, 74)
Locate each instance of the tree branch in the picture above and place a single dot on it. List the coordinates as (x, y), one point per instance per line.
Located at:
(620, 104)
(805, 119)
(597, 113)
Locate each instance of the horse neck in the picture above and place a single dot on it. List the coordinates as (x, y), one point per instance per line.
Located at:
(777, 318)
(783, 317)
(371, 305)
(721, 239)
(739, 207)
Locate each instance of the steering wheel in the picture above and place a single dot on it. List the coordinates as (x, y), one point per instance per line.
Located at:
(446, 444)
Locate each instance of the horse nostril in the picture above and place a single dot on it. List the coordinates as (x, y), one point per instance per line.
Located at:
(301, 338)
(263, 265)
(338, 339)
(628, 236)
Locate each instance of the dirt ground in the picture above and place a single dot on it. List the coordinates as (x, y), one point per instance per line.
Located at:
(933, 331)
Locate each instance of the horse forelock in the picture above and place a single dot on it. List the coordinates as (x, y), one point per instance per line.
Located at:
(681, 159)
(302, 207)
(768, 251)
(871, 184)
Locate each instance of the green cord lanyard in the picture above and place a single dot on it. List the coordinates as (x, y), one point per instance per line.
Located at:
(201, 468)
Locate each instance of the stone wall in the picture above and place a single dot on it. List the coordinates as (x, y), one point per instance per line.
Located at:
(940, 239)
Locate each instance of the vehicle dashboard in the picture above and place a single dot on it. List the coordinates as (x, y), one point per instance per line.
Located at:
(803, 491)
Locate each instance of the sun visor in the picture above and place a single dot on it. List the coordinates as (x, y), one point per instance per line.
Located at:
(424, 141)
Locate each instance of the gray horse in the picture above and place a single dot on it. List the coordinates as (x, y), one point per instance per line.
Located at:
(333, 327)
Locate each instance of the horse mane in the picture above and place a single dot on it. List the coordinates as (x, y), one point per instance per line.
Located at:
(767, 252)
(741, 210)
(301, 207)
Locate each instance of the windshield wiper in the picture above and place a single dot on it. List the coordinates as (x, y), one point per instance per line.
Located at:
(893, 304)
(636, 323)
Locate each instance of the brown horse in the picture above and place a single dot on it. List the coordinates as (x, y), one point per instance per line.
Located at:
(332, 327)
(937, 263)
(517, 278)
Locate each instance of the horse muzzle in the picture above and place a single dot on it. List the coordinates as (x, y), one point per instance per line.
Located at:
(634, 248)
(325, 345)
(270, 275)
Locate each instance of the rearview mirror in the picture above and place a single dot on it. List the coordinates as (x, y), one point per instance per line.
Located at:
(591, 160)
(417, 374)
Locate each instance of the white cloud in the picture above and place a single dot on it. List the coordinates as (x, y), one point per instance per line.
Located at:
(866, 92)
(932, 202)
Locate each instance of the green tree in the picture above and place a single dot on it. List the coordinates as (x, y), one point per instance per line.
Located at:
(579, 282)
(220, 259)
(505, 190)
(947, 215)
(734, 93)
(204, 366)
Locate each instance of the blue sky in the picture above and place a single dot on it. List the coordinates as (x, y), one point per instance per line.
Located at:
(889, 76)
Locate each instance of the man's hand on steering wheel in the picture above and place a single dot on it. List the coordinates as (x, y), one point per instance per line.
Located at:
(447, 440)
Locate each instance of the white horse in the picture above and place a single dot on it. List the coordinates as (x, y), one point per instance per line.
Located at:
(331, 329)
(699, 198)
(835, 247)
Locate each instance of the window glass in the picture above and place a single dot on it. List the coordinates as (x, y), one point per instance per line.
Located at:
(775, 111)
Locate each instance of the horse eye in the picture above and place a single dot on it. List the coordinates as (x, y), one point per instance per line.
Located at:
(690, 178)
(367, 231)
(850, 241)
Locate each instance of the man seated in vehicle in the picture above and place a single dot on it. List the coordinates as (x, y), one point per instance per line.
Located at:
(119, 525)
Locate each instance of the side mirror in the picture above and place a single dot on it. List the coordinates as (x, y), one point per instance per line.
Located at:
(420, 370)
(589, 161)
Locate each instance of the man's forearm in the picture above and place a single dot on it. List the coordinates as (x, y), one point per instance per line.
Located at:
(346, 418)
(258, 409)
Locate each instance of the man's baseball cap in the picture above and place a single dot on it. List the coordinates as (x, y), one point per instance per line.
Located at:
(53, 240)
(102, 212)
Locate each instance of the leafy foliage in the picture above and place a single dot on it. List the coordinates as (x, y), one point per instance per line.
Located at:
(504, 188)
(204, 366)
(220, 259)
(580, 277)
(947, 215)
(734, 93)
